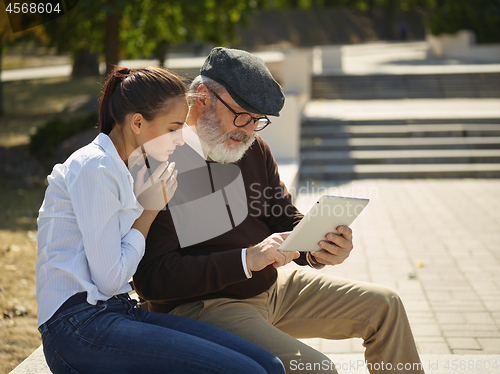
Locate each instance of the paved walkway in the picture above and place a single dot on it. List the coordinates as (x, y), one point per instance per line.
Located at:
(358, 59)
(365, 110)
(175, 62)
(437, 243)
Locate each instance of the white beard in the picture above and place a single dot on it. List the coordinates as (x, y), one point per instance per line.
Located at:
(211, 132)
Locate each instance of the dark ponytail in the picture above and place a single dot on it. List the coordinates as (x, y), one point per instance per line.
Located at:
(147, 90)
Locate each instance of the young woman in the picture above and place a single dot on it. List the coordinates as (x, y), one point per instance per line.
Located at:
(91, 237)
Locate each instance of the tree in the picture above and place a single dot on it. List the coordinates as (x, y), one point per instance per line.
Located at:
(449, 16)
(81, 32)
(160, 25)
(146, 28)
(383, 12)
(4, 34)
(480, 16)
(7, 37)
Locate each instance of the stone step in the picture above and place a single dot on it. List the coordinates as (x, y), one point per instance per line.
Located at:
(401, 156)
(469, 142)
(335, 172)
(430, 111)
(387, 86)
(346, 363)
(363, 93)
(326, 121)
(402, 130)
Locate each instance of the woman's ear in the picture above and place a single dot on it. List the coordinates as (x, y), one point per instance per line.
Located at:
(136, 123)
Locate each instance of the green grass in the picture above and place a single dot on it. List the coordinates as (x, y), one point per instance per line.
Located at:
(30, 104)
(19, 204)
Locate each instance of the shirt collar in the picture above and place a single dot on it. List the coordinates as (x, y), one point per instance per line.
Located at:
(192, 139)
(106, 144)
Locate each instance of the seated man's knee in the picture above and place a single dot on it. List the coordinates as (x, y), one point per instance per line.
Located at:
(392, 298)
(387, 301)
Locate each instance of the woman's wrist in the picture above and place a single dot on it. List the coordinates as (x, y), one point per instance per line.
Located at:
(145, 220)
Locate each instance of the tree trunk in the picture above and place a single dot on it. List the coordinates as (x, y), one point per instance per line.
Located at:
(111, 48)
(161, 52)
(391, 19)
(85, 64)
(1, 83)
(371, 7)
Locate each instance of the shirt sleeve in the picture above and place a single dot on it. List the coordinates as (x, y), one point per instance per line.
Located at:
(95, 196)
(248, 273)
(280, 196)
(312, 263)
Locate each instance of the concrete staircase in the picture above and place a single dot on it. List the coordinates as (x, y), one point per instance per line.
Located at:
(409, 86)
(342, 144)
(399, 149)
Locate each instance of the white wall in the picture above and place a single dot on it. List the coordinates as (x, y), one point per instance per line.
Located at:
(283, 134)
(463, 45)
(293, 72)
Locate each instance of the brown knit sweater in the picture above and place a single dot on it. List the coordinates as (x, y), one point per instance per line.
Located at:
(169, 275)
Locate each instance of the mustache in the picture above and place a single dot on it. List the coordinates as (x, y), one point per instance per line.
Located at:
(238, 135)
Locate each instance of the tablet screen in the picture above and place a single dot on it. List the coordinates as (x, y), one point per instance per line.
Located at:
(325, 216)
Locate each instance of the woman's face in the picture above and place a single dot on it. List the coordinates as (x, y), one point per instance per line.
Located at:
(163, 134)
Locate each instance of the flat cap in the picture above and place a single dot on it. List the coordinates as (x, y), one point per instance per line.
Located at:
(246, 78)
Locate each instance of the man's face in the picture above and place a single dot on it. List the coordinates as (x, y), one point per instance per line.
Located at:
(215, 127)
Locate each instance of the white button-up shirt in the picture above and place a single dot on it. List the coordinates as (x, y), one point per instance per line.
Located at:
(85, 240)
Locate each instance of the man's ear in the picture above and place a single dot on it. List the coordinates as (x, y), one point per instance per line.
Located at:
(136, 123)
(202, 98)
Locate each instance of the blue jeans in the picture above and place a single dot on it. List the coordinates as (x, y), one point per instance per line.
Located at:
(115, 337)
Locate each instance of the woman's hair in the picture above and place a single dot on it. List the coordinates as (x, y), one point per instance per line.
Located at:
(146, 90)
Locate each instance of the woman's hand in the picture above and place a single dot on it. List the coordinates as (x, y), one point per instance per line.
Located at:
(157, 191)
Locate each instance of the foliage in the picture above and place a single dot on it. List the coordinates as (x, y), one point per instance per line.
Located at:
(147, 24)
(49, 136)
(480, 16)
(363, 5)
(153, 23)
(81, 28)
(443, 16)
(8, 37)
(6, 34)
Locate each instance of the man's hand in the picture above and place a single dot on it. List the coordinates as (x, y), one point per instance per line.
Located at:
(334, 254)
(266, 253)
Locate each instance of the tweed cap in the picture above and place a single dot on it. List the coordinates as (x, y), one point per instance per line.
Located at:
(246, 78)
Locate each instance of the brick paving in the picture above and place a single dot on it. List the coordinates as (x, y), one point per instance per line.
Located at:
(437, 243)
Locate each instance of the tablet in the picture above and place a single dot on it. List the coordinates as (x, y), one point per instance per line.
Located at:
(325, 216)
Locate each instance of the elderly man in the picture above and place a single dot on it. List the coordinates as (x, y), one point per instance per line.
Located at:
(197, 266)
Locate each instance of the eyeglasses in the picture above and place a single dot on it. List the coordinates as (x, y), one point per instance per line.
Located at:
(242, 119)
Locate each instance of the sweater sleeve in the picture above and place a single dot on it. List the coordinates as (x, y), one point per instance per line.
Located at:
(165, 274)
(289, 215)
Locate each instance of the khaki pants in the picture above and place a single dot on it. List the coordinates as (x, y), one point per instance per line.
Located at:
(313, 305)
